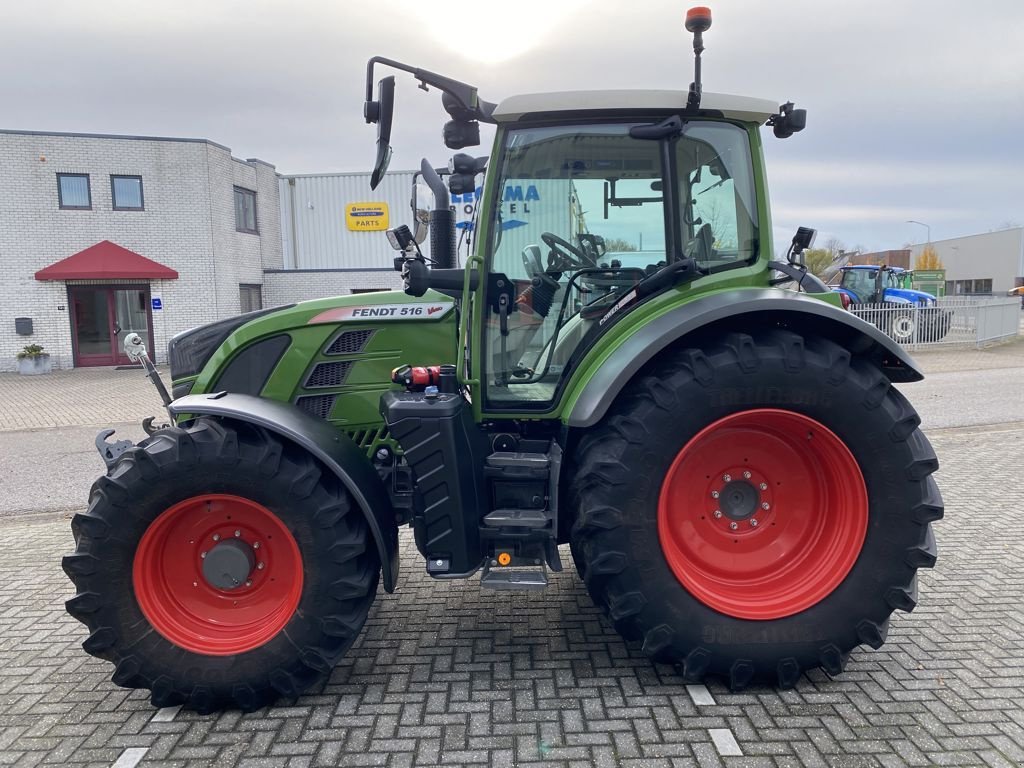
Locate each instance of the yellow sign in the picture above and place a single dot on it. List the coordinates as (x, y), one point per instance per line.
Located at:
(366, 217)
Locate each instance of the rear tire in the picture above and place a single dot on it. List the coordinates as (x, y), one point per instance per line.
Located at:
(138, 568)
(902, 326)
(739, 628)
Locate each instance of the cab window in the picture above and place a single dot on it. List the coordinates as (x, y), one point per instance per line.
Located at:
(579, 218)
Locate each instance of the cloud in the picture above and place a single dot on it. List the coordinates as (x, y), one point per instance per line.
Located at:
(912, 106)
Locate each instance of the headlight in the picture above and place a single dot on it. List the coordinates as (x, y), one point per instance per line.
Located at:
(189, 351)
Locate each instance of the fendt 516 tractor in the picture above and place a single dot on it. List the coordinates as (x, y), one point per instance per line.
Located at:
(616, 366)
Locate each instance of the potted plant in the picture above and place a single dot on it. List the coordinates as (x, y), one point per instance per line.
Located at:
(33, 360)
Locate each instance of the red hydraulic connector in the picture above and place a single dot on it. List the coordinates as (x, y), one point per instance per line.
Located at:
(415, 378)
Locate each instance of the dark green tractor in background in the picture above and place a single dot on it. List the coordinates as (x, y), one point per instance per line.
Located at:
(616, 366)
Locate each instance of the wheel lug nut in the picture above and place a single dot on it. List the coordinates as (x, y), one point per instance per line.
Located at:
(727, 478)
(733, 526)
(764, 486)
(718, 513)
(746, 475)
(216, 537)
(237, 534)
(248, 583)
(255, 545)
(260, 566)
(202, 554)
(714, 494)
(753, 522)
(765, 505)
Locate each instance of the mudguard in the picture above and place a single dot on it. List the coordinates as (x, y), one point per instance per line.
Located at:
(740, 309)
(332, 447)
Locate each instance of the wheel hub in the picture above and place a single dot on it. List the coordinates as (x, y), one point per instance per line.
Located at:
(739, 500)
(229, 564)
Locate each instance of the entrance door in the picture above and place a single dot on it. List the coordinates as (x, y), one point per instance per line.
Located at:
(101, 317)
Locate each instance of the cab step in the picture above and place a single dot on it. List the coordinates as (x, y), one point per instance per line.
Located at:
(517, 518)
(520, 578)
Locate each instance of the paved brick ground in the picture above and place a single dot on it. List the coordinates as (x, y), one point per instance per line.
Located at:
(83, 396)
(447, 674)
(101, 396)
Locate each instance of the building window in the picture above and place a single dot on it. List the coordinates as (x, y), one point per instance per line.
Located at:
(126, 192)
(73, 191)
(250, 296)
(245, 210)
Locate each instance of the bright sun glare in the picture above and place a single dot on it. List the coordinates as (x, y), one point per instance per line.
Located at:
(497, 31)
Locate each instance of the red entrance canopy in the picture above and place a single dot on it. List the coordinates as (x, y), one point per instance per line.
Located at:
(104, 261)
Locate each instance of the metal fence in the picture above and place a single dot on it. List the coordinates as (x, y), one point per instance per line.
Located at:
(954, 320)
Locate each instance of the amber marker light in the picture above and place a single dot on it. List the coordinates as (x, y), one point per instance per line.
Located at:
(698, 19)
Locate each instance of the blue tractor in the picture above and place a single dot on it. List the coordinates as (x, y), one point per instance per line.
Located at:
(905, 314)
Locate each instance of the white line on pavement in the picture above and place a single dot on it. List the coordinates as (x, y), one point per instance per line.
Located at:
(725, 742)
(701, 695)
(165, 714)
(130, 757)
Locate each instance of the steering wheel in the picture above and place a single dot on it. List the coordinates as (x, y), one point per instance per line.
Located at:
(563, 254)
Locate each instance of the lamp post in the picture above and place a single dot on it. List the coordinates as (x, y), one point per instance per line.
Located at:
(922, 224)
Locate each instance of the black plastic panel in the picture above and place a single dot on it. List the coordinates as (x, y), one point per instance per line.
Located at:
(443, 446)
(249, 370)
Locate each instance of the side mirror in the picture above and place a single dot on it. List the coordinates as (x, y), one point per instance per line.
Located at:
(802, 240)
(788, 121)
(422, 203)
(381, 112)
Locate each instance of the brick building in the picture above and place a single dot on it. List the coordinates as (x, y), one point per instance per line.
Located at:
(104, 235)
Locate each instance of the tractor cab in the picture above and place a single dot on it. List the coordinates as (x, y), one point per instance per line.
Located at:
(864, 284)
(594, 203)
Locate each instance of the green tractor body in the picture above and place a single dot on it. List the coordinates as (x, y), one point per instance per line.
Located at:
(615, 366)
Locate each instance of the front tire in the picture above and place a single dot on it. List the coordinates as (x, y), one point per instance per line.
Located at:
(219, 567)
(789, 431)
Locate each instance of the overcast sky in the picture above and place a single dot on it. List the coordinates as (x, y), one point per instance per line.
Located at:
(915, 107)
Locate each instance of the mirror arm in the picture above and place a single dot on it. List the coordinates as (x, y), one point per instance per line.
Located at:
(464, 93)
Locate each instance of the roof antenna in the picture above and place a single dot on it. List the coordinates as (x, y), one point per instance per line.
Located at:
(698, 21)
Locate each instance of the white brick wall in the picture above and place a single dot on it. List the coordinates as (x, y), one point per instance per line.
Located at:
(188, 225)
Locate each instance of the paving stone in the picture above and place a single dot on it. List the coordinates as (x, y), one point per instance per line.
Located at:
(445, 673)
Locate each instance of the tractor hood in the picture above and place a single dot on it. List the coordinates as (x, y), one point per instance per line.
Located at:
(909, 296)
(315, 353)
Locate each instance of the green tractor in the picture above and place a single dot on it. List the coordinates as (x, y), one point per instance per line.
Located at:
(617, 366)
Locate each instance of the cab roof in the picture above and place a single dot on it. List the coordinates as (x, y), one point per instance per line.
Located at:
(744, 108)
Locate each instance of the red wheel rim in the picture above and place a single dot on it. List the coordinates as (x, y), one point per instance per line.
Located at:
(762, 514)
(184, 607)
